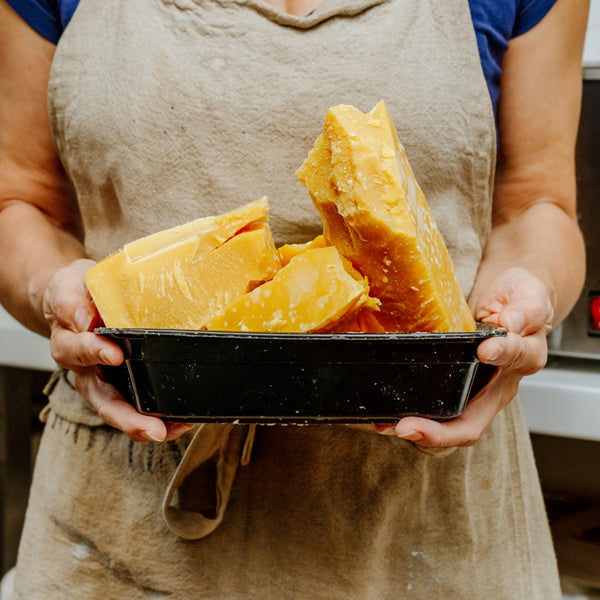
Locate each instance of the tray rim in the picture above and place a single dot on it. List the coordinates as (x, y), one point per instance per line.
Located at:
(483, 331)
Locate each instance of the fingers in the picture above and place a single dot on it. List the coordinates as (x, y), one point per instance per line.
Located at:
(72, 315)
(523, 316)
(520, 303)
(73, 351)
(67, 301)
(175, 430)
(517, 301)
(523, 307)
(465, 430)
(515, 356)
(115, 411)
(527, 315)
(521, 355)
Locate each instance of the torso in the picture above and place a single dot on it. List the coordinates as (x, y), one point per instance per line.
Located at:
(272, 97)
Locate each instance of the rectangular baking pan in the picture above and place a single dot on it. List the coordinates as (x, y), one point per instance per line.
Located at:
(205, 376)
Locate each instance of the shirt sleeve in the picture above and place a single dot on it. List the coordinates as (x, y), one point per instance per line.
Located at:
(43, 16)
(529, 14)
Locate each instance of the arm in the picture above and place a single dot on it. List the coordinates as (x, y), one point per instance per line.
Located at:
(534, 222)
(43, 259)
(40, 230)
(532, 271)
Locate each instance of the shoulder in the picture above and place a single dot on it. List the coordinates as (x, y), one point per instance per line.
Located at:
(529, 14)
(47, 17)
(508, 19)
(495, 24)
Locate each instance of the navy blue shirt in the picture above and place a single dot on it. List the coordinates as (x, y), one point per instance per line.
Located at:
(495, 23)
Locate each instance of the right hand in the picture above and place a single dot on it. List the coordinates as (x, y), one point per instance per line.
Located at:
(72, 315)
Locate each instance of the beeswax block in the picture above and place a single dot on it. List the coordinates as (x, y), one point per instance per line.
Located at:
(312, 292)
(288, 251)
(181, 277)
(376, 214)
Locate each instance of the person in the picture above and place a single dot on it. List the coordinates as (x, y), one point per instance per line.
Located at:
(160, 112)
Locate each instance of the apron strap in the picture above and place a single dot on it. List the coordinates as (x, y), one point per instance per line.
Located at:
(197, 496)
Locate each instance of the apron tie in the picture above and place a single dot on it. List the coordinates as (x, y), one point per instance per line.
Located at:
(196, 499)
(248, 445)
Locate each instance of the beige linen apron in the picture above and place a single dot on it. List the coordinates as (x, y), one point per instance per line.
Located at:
(167, 110)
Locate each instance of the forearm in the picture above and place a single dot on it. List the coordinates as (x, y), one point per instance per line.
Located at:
(32, 250)
(546, 241)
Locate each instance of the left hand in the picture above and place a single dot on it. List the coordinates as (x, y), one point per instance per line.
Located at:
(72, 316)
(520, 303)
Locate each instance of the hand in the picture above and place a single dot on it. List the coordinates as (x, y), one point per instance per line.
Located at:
(72, 316)
(520, 303)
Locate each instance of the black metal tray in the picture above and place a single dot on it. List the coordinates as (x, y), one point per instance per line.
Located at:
(284, 377)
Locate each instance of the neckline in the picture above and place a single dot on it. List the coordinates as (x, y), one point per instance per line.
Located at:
(305, 14)
(326, 10)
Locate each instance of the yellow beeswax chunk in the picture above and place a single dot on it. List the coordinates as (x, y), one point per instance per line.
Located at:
(208, 232)
(314, 290)
(376, 214)
(288, 251)
(182, 277)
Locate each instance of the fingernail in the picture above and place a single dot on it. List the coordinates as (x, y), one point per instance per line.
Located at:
(387, 431)
(151, 436)
(82, 319)
(495, 353)
(412, 436)
(515, 321)
(108, 357)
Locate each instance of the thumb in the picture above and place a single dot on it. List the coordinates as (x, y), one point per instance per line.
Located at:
(527, 315)
(512, 319)
(67, 300)
(517, 301)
